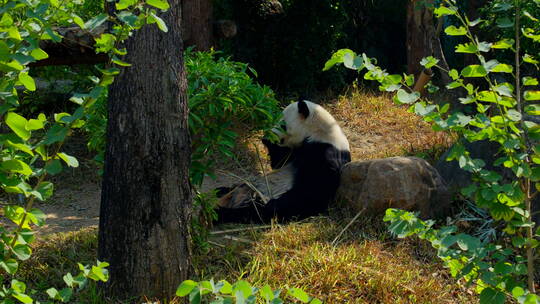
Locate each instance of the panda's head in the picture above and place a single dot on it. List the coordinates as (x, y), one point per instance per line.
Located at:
(306, 120)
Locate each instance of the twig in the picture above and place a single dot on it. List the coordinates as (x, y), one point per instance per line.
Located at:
(216, 244)
(248, 183)
(240, 229)
(234, 238)
(263, 171)
(347, 227)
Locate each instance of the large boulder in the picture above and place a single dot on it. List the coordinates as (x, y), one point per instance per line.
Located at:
(408, 183)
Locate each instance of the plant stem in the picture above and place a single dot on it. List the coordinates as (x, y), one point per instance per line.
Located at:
(528, 198)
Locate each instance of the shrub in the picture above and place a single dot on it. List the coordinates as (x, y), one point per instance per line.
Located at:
(222, 97)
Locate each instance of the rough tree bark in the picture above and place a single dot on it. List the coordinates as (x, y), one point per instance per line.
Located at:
(146, 195)
(420, 33)
(197, 24)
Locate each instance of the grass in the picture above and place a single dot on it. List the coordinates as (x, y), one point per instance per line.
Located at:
(383, 129)
(366, 265)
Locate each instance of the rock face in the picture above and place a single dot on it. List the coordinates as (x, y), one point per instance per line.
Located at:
(408, 183)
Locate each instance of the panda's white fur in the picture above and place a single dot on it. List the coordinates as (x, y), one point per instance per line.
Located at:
(319, 126)
(312, 151)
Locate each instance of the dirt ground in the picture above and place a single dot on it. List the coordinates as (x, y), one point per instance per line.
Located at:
(75, 203)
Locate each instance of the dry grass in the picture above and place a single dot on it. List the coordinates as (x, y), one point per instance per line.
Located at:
(377, 127)
(367, 266)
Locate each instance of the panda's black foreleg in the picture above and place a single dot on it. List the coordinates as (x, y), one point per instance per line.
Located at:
(279, 156)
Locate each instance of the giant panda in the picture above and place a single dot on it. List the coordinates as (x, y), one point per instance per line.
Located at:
(308, 158)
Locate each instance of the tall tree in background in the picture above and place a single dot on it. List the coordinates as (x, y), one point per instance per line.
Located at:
(143, 228)
(197, 24)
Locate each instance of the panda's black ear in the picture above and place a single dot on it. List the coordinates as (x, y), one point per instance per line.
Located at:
(303, 109)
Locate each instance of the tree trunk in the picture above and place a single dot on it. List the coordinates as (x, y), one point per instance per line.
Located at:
(144, 216)
(420, 31)
(197, 24)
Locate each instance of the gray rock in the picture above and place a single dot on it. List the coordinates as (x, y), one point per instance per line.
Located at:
(408, 183)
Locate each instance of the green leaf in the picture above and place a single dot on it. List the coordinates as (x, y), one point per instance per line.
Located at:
(10, 266)
(46, 190)
(160, 23)
(528, 15)
(467, 242)
(56, 134)
(27, 81)
(299, 294)
(227, 288)
(531, 299)
(39, 54)
(93, 23)
(23, 298)
(267, 293)
(403, 97)
(504, 22)
(502, 68)
(466, 48)
(54, 167)
(105, 43)
(185, 288)
(118, 61)
(429, 62)
(243, 287)
(123, 4)
(22, 252)
(13, 32)
(16, 166)
(532, 95)
(503, 44)
(161, 4)
(484, 46)
(21, 147)
(445, 11)
(474, 71)
(492, 296)
(530, 59)
(454, 74)
(34, 124)
(530, 81)
(78, 20)
(455, 31)
(517, 292)
(53, 293)
(513, 115)
(336, 58)
(69, 160)
(37, 216)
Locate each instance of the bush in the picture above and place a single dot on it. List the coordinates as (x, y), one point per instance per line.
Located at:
(222, 98)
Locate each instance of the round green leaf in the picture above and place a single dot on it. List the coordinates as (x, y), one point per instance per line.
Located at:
(22, 251)
(474, 71)
(403, 97)
(16, 166)
(185, 288)
(17, 123)
(27, 81)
